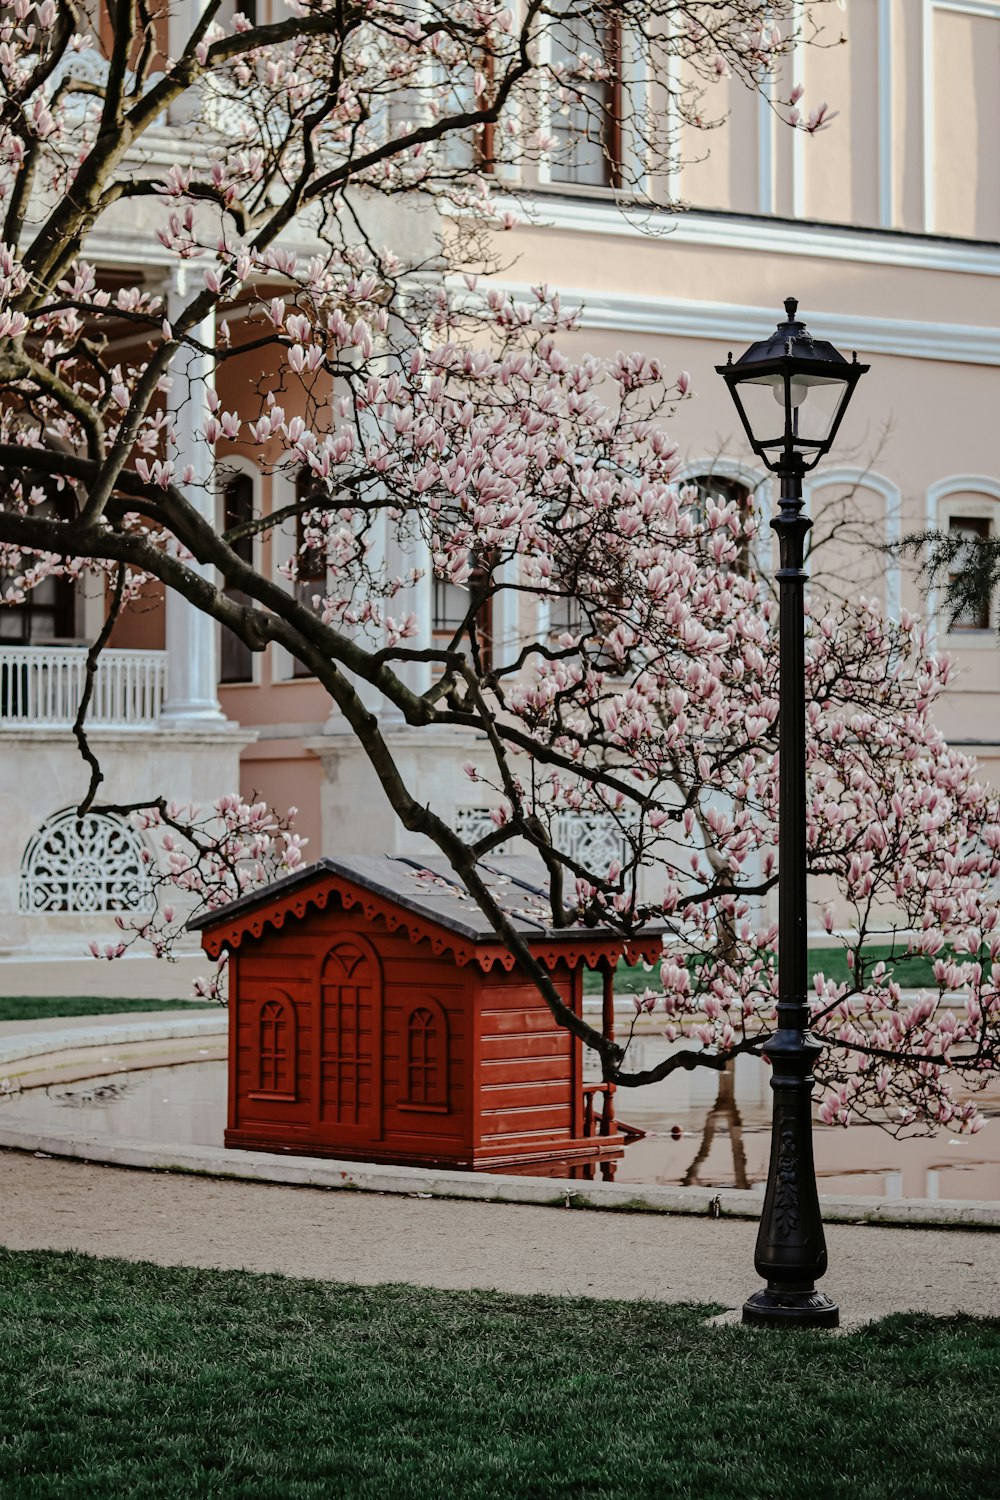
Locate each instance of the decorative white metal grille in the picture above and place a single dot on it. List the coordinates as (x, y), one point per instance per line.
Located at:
(472, 822)
(88, 864)
(592, 839)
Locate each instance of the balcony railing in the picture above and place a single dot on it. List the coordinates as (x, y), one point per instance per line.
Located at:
(41, 686)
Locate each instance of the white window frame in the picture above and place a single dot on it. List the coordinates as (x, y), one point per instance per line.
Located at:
(977, 496)
(228, 468)
(868, 479)
(282, 550)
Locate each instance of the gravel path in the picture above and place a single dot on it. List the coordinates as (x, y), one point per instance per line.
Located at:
(370, 1238)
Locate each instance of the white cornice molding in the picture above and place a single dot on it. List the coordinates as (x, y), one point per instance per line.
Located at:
(729, 325)
(141, 249)
(709, 231)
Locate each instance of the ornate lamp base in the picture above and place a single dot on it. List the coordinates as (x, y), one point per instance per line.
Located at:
(791, 1309)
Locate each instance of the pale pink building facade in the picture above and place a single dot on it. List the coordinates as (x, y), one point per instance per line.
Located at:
(885, 226)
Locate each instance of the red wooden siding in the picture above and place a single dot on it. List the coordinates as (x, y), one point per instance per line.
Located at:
(527, 1071)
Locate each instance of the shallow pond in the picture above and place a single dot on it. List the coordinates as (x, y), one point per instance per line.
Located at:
(703, 1129)
(725, 1136)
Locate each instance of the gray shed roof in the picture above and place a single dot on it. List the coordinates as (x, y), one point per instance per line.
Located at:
(429, 888)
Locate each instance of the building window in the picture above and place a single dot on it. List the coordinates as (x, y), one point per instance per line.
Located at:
(453, 616)
(349, 1077)
(586, 607)
(566, 615)
(47, 615)
(587, 124)
(310, 557)
(722, 488)
(276, 1049)
(426, 1082)
(89, 864)
(236, 658)
(972, 530)
(229, 9)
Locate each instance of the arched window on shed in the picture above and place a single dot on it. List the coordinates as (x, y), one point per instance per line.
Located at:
(276, 1052)
(425, 1081)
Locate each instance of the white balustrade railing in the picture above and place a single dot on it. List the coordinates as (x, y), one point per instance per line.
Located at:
(41, 686)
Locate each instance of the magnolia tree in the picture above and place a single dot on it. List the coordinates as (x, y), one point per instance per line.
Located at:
(436, 411)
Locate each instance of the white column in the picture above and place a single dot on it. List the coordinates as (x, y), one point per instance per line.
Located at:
(192, 636)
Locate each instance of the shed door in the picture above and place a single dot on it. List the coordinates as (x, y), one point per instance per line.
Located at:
(349, 1092)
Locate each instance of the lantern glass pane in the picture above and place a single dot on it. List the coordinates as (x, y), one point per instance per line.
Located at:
(763, 401)
(816, 400)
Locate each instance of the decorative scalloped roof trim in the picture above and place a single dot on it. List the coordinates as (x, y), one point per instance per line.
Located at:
(590, 949)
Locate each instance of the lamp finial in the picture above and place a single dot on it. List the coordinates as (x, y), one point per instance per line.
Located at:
(791, 308)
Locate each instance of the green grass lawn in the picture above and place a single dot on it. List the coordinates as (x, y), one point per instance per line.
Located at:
(34, 1007)
(910, 972)
(121, 1379)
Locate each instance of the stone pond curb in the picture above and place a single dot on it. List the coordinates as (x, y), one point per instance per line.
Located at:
(115, 1034)
(482, 1187)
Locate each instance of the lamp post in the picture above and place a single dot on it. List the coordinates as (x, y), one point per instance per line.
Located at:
(812, 384)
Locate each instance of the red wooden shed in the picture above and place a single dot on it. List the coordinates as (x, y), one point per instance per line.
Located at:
(375, 1016)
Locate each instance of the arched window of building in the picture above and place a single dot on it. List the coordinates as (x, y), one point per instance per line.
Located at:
(236, 658)
(723, 487)
(276, 1059)
(89, 864)
(965, 511)
(425, 1085)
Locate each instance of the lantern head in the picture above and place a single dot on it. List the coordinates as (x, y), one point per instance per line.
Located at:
(791, 392)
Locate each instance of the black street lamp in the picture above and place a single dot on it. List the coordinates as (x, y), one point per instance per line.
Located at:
(811, 384)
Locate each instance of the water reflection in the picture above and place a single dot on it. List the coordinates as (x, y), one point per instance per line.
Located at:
(185, 1104)
(703, 1128)
(713, 1130)
(725, 1112)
